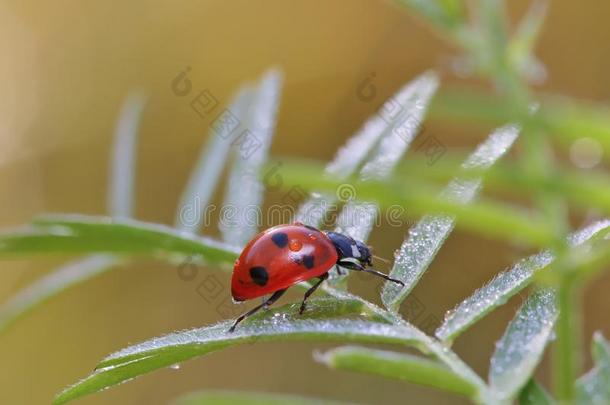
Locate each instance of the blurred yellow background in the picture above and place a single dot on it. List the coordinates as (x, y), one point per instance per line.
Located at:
(66, 68)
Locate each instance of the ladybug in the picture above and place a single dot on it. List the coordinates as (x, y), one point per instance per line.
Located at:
(285, 255)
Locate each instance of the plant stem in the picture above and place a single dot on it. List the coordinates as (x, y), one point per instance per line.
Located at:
(567, 359)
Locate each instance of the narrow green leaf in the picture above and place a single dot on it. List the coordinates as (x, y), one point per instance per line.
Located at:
(535, 394)
(357, 218)
(428, 345)
(405, 118)
(320, 323)
(426, 238)
(600, 350)
(90, 234)
(52, 284)
(208, 169)
(520, 350)
(521, 45)
(493, 24)
(122, 167)
(387, 122)
(246, 398)
(594, 387)
(505, 285)
(399, 366)
(244, 193)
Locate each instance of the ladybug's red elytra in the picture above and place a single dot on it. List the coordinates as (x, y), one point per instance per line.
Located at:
(284, 255)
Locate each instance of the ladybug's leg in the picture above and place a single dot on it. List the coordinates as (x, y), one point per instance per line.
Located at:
(311, 290)
(358, 267)
(274, 297)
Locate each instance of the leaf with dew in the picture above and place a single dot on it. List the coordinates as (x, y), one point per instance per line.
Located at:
(594, 387)
(244, 193)
(389, 122)
(398, 366)
(358, 217)
(505, 285)
(208, 169)
(521, 347)
(61, 234)
(326, 320)
(426, 238)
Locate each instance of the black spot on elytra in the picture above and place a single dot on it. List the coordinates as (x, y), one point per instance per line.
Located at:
(280, 239)
(259, 275)
(308, 261)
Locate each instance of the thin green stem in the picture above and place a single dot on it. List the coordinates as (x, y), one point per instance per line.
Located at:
(537, 158)
(567, 359)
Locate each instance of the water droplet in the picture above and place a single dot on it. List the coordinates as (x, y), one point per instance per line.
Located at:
(175, 366)
(295, 245)
(586, 153)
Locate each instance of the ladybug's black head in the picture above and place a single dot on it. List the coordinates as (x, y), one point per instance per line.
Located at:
(349, 248)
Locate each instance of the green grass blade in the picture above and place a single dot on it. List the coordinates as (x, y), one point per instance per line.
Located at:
(505, 285)
(122, 168)
(283, 324)
(601, 350)
(246, 398)
(594, 387)
(52, 284)
(429, 346)
(534, 394)
(404, 127)
(426, 238)
(353, 154)
(208, 169)
(63, 234)
(398, 366)
(244, 193)
(521, 348)
(357, 218)
(521, 45)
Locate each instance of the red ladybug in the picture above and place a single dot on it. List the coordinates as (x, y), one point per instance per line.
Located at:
(288, 254)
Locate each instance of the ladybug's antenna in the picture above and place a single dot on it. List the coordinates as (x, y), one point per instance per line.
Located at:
(381, 259)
